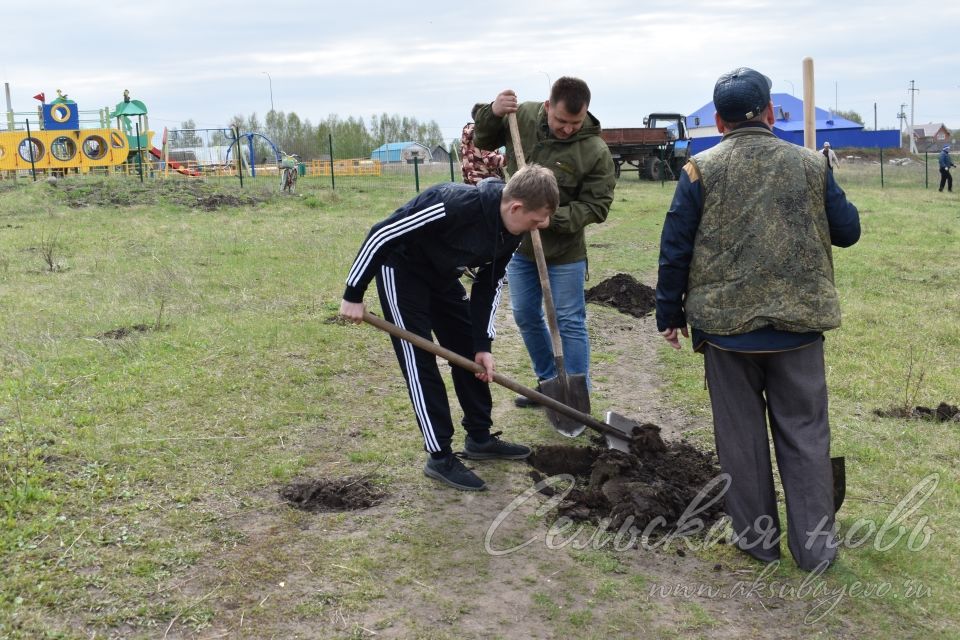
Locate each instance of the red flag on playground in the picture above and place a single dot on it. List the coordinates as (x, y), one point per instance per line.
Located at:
(40, 97)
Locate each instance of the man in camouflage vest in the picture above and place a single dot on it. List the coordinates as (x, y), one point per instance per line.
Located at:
(745, 261)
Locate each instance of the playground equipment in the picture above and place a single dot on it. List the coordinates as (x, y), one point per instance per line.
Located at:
(250, 137)
(60, 145)
(60, 142)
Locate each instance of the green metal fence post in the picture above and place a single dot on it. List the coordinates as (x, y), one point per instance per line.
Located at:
(662, 169)
(926, 170)
(236, 136)
(416, 171)
(33, 166)
(139, 152)
(881, 167)
(333, 179)
(450, 158)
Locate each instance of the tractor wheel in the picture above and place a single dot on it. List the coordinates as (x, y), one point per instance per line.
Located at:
(654, 168)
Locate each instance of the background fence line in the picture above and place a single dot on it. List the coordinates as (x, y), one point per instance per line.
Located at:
(903, 171)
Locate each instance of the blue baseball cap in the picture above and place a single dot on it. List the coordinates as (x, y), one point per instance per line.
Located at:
(741, 94)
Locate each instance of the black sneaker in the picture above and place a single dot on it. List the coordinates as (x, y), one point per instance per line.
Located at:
(524, 402)
(451, 471)
(494, 448)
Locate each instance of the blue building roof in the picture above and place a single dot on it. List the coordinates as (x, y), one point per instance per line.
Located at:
(788, 111)
(393, 151)
(788, 125)
(393, 146)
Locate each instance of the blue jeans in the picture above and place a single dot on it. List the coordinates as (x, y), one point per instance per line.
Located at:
(526, 300)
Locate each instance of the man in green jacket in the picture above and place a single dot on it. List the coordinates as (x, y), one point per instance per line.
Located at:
(563, 135)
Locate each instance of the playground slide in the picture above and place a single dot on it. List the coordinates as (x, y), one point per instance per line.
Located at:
(156, 153)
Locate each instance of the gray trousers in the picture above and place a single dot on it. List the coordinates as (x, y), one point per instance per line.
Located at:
(789, 388)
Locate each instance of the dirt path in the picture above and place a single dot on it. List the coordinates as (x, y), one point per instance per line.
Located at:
(428, 562)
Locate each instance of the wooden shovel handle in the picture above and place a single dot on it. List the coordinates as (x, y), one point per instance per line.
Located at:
(537, 243)
(465, 363)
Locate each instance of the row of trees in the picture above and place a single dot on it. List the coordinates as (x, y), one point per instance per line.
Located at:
(352, 138)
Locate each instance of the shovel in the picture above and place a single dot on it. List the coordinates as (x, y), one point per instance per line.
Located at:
(570, 390)
(618, 431)
(839, 465)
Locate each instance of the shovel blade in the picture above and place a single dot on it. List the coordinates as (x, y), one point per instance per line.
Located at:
(839, 465)
(570, 390)
(625, 426)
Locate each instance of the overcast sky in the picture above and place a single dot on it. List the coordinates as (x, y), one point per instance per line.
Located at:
(208, 61)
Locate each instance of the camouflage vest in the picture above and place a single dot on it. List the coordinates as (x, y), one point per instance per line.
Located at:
(762, 255)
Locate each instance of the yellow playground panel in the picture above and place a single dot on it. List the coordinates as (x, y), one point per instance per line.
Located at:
(80, 149)
(353, 167)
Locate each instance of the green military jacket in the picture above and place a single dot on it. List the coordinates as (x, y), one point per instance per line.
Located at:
(762, 254)
(581, 163)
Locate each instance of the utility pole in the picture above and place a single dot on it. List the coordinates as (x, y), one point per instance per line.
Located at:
(902, 119)
(6, 87)
(913, 142)
(270, 80)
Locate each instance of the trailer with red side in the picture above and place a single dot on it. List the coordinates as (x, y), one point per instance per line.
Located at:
(656, 151)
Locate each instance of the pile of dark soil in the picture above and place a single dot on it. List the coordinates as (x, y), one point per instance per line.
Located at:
(122, 332)
(340, 494)
(656, 480)
(625, 294)
(943, 413)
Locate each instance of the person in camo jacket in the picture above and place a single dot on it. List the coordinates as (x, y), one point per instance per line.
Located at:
(745, 260)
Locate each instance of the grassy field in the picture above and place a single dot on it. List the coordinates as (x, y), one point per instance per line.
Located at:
(165, 367)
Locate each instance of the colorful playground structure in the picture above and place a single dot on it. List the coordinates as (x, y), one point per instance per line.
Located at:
(59, 139)
(58, 143)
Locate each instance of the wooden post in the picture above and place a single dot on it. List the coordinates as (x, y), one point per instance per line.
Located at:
(809, 106)
(165, 152)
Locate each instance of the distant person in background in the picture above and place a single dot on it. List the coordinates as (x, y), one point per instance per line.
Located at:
(832, 160)
(945, 164)
(477, 164)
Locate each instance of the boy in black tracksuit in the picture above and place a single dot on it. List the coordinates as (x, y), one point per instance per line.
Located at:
(417, 255)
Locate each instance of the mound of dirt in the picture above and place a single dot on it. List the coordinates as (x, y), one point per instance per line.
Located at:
(625, 294)
(340, 494)
(943, 413)
(122, 332)
(654, 481)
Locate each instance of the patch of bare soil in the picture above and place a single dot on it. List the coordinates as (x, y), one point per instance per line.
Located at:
(338, 494)
(944, 412)
(123, 332)
(440, 556)
(624, 293)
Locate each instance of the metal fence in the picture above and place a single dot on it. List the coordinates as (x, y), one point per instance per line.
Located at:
(920, 171)
(410, 176)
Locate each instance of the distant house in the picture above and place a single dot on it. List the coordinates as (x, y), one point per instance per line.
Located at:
(788, 125)
(440, 154)
(397, 152)
(931, 136)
